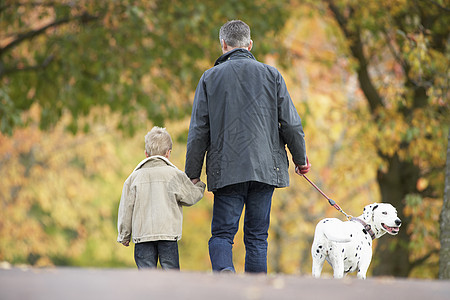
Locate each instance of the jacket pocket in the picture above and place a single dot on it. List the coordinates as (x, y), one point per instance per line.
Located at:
(281, 167)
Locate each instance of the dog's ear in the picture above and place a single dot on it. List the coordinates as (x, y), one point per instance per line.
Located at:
(368, 211)
(369, 208)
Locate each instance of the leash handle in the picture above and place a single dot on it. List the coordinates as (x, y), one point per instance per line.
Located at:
(331, 201)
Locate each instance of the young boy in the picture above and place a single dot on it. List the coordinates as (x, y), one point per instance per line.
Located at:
(151, 204)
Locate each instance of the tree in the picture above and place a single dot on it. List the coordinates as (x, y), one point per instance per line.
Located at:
(444, 261)
(142, 60)
(400, 55)
(132, 56)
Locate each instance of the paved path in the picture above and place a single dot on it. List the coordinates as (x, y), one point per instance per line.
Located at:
(112, 284)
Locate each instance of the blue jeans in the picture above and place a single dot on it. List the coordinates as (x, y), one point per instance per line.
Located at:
(146, 254)
(228, 204)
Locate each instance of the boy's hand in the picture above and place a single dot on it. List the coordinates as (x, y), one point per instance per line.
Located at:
(126, 243)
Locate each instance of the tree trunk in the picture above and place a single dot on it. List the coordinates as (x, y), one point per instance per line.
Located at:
(444, 258)
(391, 254)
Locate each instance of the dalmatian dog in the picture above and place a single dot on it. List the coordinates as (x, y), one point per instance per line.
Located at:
(347, 246)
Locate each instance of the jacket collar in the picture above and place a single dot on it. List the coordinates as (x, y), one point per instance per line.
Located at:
(154, 157)
(235, 53)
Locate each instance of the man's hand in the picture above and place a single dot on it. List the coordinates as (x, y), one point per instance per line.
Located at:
(300, 170)
(126, 243)
(195, 180)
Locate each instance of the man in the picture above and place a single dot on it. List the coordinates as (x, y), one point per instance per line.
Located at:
(242, 118)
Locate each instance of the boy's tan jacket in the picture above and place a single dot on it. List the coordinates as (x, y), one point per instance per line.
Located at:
(151, 204)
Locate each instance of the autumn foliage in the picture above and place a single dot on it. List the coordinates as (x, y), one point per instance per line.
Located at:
(77, 99)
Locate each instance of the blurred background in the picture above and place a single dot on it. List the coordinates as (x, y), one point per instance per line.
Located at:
(81, 83)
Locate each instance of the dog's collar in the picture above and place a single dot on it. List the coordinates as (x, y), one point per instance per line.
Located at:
(367, 227)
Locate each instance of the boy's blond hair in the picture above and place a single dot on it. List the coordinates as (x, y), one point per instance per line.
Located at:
(158, 141)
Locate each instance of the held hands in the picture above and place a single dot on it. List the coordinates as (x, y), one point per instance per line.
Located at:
(126, 243)
(300, 170)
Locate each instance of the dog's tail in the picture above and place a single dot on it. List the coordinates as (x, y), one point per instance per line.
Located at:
(334, 230)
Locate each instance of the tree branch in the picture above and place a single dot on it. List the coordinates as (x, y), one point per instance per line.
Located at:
(356, 48)
(84, 18)
(31, 34)
(393, 51)
(421, 260)
(439, 6)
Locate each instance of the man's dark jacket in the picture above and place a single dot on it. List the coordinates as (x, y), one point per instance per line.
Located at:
(242, 118)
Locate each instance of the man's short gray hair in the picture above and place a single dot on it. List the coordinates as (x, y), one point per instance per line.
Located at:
(158, 141)
(235, 33)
